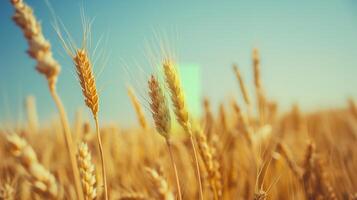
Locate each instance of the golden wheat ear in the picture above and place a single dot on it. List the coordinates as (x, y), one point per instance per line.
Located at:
(177, 95)
(39, 47)
(161, 115)
(86, 80)
(159, 108)
(178, 101)
(84, 69)
(86, 169)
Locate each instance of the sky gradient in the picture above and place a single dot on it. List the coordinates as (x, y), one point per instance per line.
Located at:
(308, 51)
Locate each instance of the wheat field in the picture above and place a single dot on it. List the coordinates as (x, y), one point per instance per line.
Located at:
(248, 150)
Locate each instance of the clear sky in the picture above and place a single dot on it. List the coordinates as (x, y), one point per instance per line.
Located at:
(308, 49)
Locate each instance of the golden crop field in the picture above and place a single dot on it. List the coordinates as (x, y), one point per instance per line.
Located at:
(248, 150)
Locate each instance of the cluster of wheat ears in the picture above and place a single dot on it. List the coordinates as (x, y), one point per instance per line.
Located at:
(247, 151)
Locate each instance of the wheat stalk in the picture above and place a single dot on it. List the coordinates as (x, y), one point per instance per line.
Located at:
(161, 115)
(86, 79)
(86, 169)
(138, 109)
(178, 101)
(43, 182)
(40, 50)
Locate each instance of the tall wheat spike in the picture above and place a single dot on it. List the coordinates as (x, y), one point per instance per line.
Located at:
(161, 115)
(138, 109)
(40, 50)
(86, 79)
(178, 101)
(159, 108)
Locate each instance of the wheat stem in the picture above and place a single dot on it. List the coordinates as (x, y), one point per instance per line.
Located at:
(195, 155)
(169, 147)
(101, 157)
(69, 141)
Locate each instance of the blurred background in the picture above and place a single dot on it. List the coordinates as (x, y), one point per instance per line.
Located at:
(308, 52)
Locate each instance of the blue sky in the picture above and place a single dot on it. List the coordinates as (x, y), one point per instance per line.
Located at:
(308, 49)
